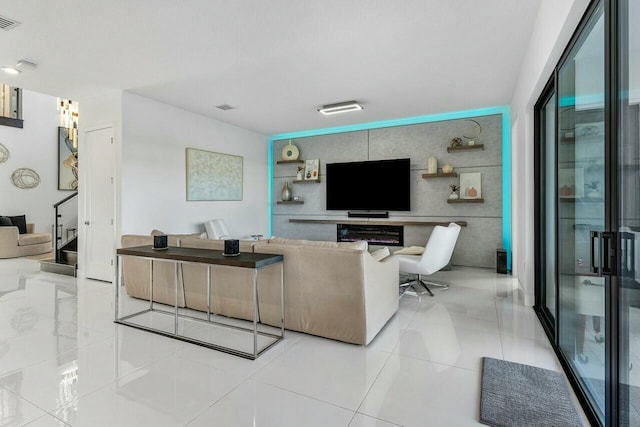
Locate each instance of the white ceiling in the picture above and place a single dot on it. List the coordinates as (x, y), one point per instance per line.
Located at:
(277, 61)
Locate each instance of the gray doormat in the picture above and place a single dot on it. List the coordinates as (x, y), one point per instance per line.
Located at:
(515, 395)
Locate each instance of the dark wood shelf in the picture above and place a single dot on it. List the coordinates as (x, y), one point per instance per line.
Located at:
(465, 148)
(306, 181)
(375, 222)
(284, 162)
(14, 123)
(465, 200)
(290, 202)
(439, 175)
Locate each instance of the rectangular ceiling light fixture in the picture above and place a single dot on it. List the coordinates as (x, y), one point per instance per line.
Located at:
(340, 107)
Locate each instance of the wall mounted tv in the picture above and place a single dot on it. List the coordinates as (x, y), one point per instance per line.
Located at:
(375, 185)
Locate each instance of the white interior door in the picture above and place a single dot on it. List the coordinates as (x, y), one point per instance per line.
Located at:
(99, 204)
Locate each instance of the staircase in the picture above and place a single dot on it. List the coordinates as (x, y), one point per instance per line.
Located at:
(65, 238)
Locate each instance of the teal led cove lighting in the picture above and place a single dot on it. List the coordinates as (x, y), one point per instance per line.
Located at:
(504, 111)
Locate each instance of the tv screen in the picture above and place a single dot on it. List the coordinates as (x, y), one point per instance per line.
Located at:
(376, 185)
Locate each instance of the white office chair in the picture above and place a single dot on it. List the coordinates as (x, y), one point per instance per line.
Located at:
(216, 229)
(437, 254)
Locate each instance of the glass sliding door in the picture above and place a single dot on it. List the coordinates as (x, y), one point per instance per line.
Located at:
(580, 188)
(628, 221)
(546, 218)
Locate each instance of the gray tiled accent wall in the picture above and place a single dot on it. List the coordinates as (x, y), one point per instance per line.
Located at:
(478, 241)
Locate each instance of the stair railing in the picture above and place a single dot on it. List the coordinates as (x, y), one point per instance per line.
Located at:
(58, 238)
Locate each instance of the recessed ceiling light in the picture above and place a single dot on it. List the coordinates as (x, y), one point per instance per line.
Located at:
(340, 107)
(10, 70)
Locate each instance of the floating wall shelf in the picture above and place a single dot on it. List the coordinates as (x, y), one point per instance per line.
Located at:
(291, 202)
(465, 200)
(465, 148)
(439, 175)
(284, 162)
(306, 181)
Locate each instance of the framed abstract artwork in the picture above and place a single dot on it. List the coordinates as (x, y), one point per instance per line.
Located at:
(213, 176)
(67, 159)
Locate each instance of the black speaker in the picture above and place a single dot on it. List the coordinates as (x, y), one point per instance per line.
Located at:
(160, 242)
(231, 247)
(501, 261)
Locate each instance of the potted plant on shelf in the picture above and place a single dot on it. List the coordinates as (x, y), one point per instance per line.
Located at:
(454, 191)
(592, 190)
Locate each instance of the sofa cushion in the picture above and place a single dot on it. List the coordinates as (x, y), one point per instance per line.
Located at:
(380, 253)
(19, 221)
(410, 250)
(179, 236)
(361, 245)
(5, 221)
(33, 239)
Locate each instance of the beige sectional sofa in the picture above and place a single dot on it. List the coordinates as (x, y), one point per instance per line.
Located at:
(13, 244)
(333, 290)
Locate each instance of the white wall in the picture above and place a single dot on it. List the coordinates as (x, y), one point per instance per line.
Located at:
(154, 137)
(36, 147)
(556, 22)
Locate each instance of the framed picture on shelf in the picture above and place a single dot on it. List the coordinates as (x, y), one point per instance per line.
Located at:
(571, 183)
(471, 185)
(312, 169)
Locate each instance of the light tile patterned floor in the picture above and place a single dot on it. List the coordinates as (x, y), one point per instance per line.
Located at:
(64, 362)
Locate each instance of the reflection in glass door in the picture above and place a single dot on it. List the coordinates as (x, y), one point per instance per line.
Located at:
(581, 218)
(629, 215)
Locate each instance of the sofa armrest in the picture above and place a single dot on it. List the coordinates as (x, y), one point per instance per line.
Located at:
(381, 289)
(9, 242)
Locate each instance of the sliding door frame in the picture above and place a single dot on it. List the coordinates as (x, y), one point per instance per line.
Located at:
(549, 323)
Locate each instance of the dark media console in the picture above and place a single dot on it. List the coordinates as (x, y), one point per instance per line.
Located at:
(368, 214)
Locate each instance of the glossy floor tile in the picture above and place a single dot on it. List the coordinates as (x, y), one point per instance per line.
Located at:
(63, 362)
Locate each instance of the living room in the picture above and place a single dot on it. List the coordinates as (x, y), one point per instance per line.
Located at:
(161, 100)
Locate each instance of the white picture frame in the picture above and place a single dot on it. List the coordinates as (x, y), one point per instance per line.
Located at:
(471, 185)
(312, 170)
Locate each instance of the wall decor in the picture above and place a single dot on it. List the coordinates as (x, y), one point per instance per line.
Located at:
(432, 165)
(447, 168)
(571, 183)
(4, 154)
(25, 178)
(471, 185)
(290, 152)
(454, 191)
(312, 169)
(67, 159)
(213, 176)
(286, 192)
(471, 139)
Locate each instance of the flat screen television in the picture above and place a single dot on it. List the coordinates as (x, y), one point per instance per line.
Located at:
(375, 185)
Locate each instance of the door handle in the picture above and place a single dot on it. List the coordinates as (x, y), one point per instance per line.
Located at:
(595, 265)
(86, 223)
(609, 253)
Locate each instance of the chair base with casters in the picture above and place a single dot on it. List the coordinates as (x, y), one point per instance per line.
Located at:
(420, 286)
